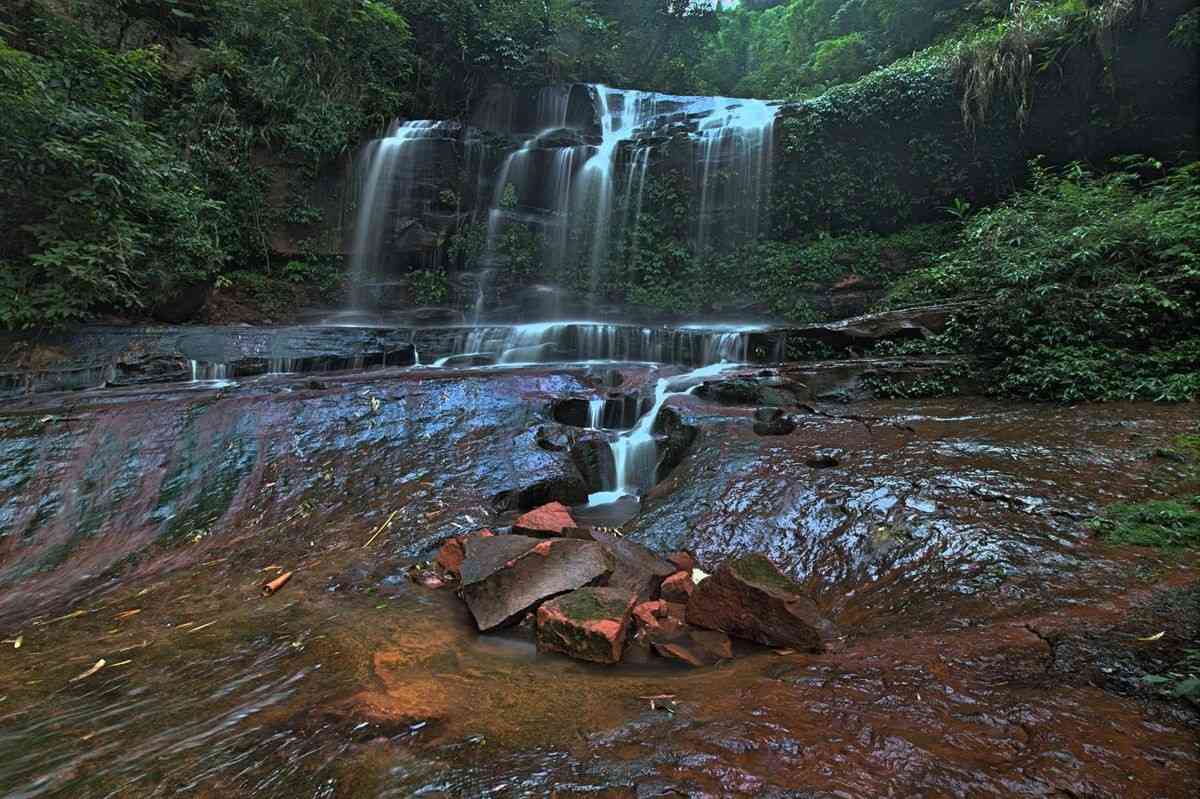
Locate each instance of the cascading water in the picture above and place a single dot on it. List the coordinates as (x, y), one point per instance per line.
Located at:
(635, 453)
(390, 169)
(735, 144)
(547, 342)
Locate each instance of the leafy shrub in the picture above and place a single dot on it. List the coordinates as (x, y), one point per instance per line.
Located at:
(1088, 285)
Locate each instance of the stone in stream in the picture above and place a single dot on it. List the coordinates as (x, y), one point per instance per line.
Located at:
(546, 521)
(503, 576)
(636, 569)
(750, 598)
(694, 647)
(658, 616)
(677, 587)
(772, 422)
(588, 624)
(450, 556)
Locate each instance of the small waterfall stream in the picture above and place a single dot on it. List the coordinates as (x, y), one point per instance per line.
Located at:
(635, 452)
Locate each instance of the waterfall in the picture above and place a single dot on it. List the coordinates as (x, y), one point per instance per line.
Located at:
(574, 341)
(734, 169)
(576, 176)
(635, 452)
(596, 413)
(389, 171)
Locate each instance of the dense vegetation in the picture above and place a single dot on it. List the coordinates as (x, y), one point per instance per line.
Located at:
(150, 147)
(1088, 285)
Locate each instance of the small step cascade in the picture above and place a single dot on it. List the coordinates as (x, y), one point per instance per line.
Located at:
(389, 173)
(635, 452)
(579, 341)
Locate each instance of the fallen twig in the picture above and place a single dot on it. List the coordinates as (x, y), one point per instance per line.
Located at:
(276, 584)
(380, 529)
(99, 665)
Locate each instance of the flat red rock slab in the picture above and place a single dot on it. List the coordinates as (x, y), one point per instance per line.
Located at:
(588, 624)
(547, 520)
(504, 576)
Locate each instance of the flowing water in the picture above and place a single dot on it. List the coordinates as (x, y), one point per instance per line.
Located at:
(581, 189)
(988, 644)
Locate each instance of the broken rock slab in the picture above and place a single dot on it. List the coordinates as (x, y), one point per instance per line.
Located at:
(587, 624)
(549, 520)
(636, 568)
(450, 556)
(677, 587)
(503, 576)
(694, 647)
(750, 598)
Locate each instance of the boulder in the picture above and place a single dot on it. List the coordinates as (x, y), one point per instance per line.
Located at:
(546, 521)
(587, 624)
(450, 556)
(675, 437)
(692, 646)
(770, 392)
(677, 587)
(636, 569)
(503, 576)
(750, 598)
(772, 422)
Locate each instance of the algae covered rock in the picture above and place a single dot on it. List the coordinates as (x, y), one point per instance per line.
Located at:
(588, 624)
(751, 598)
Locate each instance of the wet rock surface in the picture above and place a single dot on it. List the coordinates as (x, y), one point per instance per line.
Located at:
(504, 576)
(991, 645)
(772, 422)
(636, 569)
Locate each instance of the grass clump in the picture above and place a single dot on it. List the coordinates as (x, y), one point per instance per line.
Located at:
(1163, 523)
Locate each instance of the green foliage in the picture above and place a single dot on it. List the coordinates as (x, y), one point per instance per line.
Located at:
(1089, 285)
(1165, 523)
(98, 210)
(429, 286)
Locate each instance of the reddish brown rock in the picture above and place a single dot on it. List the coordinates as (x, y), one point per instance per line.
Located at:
(678, 587)
(588, 624)
(660, 617)
(450, 556)
(549, 520)
(636, 568)
(692, 646)
(750, 598)
(683, 561)
(503, 576)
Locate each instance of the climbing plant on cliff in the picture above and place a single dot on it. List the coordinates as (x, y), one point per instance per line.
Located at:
(1088, 284)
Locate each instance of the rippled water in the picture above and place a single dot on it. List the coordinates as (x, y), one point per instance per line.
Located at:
(948, 546)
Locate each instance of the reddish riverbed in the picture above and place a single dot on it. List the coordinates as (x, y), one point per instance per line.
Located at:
(988, 645)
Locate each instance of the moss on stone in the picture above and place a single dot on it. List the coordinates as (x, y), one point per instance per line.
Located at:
(761, 571)
(588, 604)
